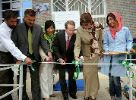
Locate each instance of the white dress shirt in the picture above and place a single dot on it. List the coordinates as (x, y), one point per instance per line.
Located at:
(66, 36)
(7, 45)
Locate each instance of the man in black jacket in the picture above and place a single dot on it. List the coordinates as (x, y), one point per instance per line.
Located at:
(63, 47)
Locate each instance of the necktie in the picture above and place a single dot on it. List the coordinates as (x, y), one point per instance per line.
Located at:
(30, 40)
(67, 43)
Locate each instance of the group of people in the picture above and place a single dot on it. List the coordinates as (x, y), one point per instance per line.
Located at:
(26, 42)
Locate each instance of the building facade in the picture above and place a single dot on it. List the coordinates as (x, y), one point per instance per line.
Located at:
(98, 8)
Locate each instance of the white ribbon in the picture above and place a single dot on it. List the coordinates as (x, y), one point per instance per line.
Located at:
(15, 67)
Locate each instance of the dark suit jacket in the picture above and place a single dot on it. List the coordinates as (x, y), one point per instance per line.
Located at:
(19, 37)
(59, 47)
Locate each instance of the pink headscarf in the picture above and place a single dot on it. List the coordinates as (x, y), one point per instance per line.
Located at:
(120, 24)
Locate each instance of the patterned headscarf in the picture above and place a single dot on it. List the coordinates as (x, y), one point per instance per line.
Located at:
(120, 24)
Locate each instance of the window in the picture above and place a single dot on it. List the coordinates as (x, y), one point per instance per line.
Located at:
(7, 5)
(5, 0)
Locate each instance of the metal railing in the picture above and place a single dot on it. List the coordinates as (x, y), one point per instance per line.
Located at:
(19, 86)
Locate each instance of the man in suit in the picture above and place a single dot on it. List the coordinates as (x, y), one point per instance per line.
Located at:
(27, 37)
(63, 46)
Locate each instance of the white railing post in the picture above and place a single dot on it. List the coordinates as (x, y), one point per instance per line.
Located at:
(89, 6)
(21, 82)
(52, 6)
(21, 11)
(105, 8)
(19, 85)
(130, 86)
(67, 5)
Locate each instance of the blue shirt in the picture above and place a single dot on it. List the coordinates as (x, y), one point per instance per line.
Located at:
(122, 42)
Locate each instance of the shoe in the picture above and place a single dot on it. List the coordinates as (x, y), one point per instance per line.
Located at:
(25, 97)
(92, 98)
(73, 96)
(113, 98)
(118, 98)
(53, 95)
(45, 99)
(66, 98)
(87, 98)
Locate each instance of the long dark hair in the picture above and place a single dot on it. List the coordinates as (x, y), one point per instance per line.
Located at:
(110, 15)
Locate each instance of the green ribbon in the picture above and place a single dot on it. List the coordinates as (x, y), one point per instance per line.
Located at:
(77, 71)
(126, 64)
(30, 65)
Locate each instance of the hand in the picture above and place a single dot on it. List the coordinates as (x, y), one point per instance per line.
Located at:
(28, 60)
(61, 61)
(132, 50)
(77, 58)
(48, 59)
(82, 58)
(18, 62)
(50, 55)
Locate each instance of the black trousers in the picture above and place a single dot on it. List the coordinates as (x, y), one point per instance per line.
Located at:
(72, 87)
(35, 83)
(6, 76)
(115, 86)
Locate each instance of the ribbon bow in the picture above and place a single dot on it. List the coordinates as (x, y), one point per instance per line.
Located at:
(77, 71)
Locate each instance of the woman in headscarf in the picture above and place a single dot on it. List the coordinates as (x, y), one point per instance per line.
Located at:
(117, 38)
(88, 40)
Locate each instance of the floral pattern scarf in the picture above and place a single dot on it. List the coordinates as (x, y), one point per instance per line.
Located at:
(94, 44)
(49, 39)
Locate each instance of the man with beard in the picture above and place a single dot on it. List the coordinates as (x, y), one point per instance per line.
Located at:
(7, 51)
